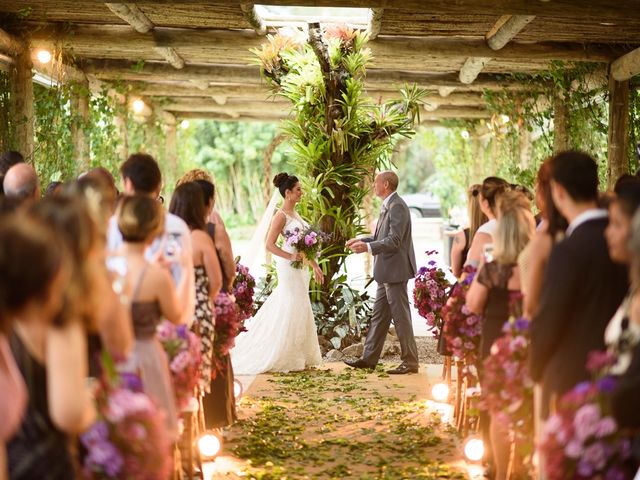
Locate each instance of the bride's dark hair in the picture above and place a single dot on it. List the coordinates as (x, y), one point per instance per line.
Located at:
(283, 181)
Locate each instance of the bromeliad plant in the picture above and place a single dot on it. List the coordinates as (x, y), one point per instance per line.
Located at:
(339, 136)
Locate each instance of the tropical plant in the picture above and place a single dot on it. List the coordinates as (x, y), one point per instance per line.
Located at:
(338, 135)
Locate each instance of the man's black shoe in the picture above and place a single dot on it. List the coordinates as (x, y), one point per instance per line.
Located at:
(359, 363)
(402, 370)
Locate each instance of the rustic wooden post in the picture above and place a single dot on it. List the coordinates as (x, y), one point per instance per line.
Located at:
(617, 161)
(560, 124)
(22, 104)
(171, 146)
(80, 112)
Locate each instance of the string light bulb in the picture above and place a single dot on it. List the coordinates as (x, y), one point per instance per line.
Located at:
(43, 56)
(474, 449)
(237, 389)
(184, 124)
(138, 106)
(209, 445)
(504, 118)
(464, 134)
(440, 392)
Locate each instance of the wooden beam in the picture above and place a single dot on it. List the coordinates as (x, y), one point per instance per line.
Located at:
(399, 49)
(22, 104)
(472, 68)
(445, 91)
(507, 27)
(626, 66)
(375, 22)
(10, 43)
(618, 135)
(378, 79)
(131, 14)
(457, 112)
(254, 18)
(171, 56)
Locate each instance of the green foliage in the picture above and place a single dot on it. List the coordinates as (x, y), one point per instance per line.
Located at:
(6, 122)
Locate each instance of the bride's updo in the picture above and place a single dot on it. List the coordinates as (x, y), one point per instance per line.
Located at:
(283, 181)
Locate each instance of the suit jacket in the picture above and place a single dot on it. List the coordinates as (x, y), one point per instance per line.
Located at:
(392, 245)
(582, 290)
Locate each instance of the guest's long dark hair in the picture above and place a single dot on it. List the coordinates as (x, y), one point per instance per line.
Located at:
(187, 203)
(556, 223)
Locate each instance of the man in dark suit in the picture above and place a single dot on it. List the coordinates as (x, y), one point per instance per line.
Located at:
(394, 264)
(582, 287)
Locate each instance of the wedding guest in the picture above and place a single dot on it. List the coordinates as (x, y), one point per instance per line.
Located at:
(621, 335)
(7, 160)
(582, 287)
(21, 181)
(48, 347)
(462, 240)
(53, 189)
(496, 295)
(219, 403)
(140, 220)
(215, 224)
(490, 191)
(187, 203)
(141, 176)
(533, 259)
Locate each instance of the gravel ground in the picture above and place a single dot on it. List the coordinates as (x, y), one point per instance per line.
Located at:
(427, 351)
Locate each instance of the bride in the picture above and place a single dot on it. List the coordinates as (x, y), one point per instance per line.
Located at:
(282, 336)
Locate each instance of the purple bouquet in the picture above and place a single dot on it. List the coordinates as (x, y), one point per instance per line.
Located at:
(308, 242)
(430, 294)
(182, 347)
(582, 440)
(129, 440)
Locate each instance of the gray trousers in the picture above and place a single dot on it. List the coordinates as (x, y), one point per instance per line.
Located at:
(392, 302)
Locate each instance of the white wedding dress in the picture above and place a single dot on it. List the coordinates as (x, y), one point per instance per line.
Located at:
(282, 336)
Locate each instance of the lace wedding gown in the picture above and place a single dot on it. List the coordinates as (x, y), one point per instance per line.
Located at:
(281, 337)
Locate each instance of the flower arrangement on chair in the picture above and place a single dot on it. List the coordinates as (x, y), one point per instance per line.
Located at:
(430, 294)
(243, 291)
(228, 325)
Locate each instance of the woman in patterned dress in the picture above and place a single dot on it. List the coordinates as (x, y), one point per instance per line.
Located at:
(188, 203)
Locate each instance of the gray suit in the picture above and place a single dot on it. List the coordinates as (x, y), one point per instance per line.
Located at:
(394, 264)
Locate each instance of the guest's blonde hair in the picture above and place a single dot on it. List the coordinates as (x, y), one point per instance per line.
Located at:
(516, 226)
(476, 217)
(193, 175)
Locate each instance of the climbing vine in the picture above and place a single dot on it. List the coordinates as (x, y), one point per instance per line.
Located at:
(6, 122)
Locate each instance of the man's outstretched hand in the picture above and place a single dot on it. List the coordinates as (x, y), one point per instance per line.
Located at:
(357, 246)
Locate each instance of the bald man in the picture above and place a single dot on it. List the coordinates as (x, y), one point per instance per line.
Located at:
(394, 264)
(21, 181)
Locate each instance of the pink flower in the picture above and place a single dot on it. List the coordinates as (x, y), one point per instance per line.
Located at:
(573, 449)
(180, 362)
(586, 420)
(605, 427)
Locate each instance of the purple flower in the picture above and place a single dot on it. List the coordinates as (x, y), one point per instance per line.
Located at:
(105, 455)
(597, 360)
(586, 420)
(131, 381)
(606, 384)
(165, 331)
(422, 270)
(181, 330)
(98, 432)
(584, 468)
(180, 362)
(595, 455)
(582, 388)
(615, 473)
(573, 449)
(522, 324)
(605, 427)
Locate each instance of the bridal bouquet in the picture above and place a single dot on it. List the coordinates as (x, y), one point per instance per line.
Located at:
(461, 328)
(129, 439)
(430, 294)
(308, 242)
(228, 325)
(183, 350)
(582, 439)
(243, 286)
(507, 388)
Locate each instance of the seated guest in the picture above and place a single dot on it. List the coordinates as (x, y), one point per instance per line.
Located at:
(582, 286)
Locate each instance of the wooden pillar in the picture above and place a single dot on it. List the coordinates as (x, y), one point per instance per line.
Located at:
(560, 124)
(22, 104)
(120, 122)
(617, 161)
(80, 112)
(171, 146)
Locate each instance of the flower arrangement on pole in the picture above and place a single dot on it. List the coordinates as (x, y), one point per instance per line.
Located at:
(129, 439)
(430, 294)
(243, 291)
(228, 325)
(582, 440)
(183, 351)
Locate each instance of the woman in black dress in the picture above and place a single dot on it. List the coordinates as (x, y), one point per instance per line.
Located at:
(496, 295)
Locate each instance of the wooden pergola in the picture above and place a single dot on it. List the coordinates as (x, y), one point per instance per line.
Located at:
(192, 60)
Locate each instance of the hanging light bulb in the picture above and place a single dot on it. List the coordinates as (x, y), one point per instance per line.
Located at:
(209, 445)
(504, 118)
(138, 106)
(238, 389)
(43, 56)
(474, 449)
(440, 392)
(184, 124)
